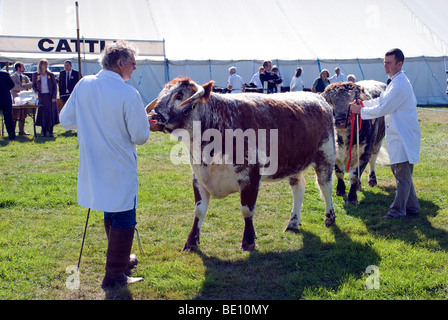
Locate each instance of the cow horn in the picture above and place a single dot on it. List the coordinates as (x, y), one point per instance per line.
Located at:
(151, 106)
(197, 95)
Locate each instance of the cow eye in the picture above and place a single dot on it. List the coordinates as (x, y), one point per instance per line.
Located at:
(179, 96)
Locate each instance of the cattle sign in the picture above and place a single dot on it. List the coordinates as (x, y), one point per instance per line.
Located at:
(69, 45)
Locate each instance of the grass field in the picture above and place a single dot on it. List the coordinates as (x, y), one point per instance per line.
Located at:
(41, 229)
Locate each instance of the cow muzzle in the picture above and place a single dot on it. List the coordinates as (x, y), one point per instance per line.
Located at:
(155, 122)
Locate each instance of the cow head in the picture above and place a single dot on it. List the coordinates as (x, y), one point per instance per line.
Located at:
(175, 102)
(339, 96)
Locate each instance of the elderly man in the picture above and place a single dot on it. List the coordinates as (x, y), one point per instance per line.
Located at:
(111, 120)
(21, 83)
(398, 106)
(235, 82)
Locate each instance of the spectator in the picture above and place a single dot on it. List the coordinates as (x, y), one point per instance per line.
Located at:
(21, 83)
(398, 106)
(296, 81)
(68, 78)
(45, 85)
(111, 120)
(276, 71)
(351, 78)
(337, 77)
(256, 78)
(322, 82)
(6, 84)
(235, 82)
(268, 77)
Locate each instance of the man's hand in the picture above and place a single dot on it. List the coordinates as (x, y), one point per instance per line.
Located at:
(355, 108)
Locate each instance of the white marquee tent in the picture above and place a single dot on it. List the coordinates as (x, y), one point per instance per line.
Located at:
(203, 38)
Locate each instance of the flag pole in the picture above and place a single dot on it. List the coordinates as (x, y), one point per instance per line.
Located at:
(78, 42)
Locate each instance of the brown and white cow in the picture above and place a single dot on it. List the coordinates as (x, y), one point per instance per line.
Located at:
(235, 141)
(371, 134)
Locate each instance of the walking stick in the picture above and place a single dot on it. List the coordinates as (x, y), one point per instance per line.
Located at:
(357, 142)
(83, 238)
(357, 134)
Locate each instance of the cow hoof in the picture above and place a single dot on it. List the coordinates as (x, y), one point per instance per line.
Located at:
(330, 219)
(248, 247)
(190, 247)
(292, 229)
(340, 193)
(355, 202)
(372, 184)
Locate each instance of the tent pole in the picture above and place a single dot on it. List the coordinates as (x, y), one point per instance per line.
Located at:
(78, 43)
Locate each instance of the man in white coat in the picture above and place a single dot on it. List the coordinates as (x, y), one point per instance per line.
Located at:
(110, 119)
(398, 105)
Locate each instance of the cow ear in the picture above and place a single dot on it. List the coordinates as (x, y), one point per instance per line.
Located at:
(208, 87)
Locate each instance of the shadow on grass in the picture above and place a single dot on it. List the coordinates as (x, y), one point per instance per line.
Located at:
(286, 275)
(38, 139)
(374, 206)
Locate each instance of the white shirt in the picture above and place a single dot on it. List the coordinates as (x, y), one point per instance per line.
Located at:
(337, 78)
(236, 82)
(256, 80)
(296, 84)
(398, 106)
(44, 83)
(111, 120)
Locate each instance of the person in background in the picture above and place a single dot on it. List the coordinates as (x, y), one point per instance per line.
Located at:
(111, 121)
(276, 71)
(269, 77)
(6, 84)
(398, 105)
(337, 77)
(68, 78)
(256, 78)
(21, 83)
(235, 82)
(351, 78)
(296, 81)
(45, 85)
(322, 82)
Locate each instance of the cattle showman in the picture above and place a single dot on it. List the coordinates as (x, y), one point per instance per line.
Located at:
(398, 105)
(111, 120)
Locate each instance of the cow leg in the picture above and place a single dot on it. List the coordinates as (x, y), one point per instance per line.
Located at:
(372, 176)
(339, 171)
(297, 184)
(202, 200)
(248, 194)
(324, 180)
(355, 181)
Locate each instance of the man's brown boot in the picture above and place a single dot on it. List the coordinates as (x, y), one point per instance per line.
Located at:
(118, 253)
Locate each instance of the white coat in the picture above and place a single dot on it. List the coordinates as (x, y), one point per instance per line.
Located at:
(111, 120)
(398, 105)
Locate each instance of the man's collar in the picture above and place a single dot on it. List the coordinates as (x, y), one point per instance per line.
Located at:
(393, 77)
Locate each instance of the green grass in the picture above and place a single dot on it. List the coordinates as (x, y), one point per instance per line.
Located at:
(41, 229)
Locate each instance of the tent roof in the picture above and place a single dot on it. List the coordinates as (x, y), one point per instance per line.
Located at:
(249, 29)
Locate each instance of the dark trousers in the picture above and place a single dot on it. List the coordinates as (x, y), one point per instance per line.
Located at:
(9, 123)
(405, 199)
